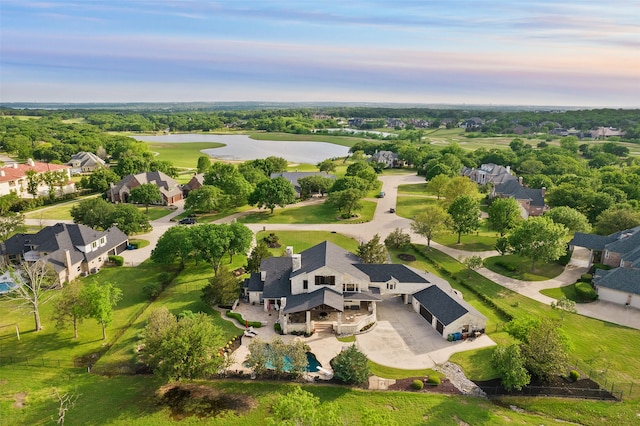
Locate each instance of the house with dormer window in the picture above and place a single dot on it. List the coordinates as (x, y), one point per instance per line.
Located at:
(72, 250)
(327, 287)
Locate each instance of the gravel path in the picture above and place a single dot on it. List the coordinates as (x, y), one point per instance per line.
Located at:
(456, 376)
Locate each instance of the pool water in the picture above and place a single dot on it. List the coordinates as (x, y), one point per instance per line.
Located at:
(312, 363)
(5, 287)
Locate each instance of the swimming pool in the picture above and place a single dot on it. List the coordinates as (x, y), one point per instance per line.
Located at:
(5, 287)
(312, 364)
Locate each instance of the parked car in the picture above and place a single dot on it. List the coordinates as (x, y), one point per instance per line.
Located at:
(187, 221)
(392, 210)
(381, 194)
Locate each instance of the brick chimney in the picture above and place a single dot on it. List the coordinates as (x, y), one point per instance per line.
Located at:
(67, 262)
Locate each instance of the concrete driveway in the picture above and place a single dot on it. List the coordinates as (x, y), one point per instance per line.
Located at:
(402, 338)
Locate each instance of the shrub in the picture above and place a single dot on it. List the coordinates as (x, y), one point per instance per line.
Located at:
(434, 380)
(585, 292)
(574, 375)
(509, 267)
(417, 384)
(598, 266)
(238, 317)
(564, 260)
(117, 260)
(277, 327)
(152, 290)
(135, 244)
(164, 278)
(586, 278)
(351, 366)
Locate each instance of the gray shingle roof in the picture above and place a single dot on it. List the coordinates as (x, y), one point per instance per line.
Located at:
(168, 186)
(590, 241)
(625, 244)
(305, 301)
(363, 295)
(254, 283)
(329, 254)
(512, 188)
(445, 307)
(622, 279)
(278, 271)
(380, 273)
(86, 159)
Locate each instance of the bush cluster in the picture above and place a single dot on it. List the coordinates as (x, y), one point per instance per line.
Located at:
(238, 317)
(153, 290)
(584, 291)
(586, 278)
(574, 375)
(506, 265)
(417, 384)
(117, 260)
(434, 380)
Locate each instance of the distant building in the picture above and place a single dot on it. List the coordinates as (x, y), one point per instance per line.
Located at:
(621, 251)
(294, 176)
(388, 158)
(85, 162)
(72, 250)
(196, 182)
(169, 188)
(13, 178)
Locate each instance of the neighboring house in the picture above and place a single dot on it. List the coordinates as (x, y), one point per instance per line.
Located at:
(294, 176)
(13, 178)
(388, 158)
(506, 185)
(327, 287)
(196, 182)
(621, 251)
(472, 123)
(169, 188)
(85, 162)
(605, 132)
(72, 250)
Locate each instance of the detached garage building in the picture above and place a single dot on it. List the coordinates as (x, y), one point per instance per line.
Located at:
(447, 312)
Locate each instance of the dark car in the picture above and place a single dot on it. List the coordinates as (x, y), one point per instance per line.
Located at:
(187, 221)
(392, 210)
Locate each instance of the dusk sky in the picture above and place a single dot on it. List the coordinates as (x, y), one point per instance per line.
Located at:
(571, 53)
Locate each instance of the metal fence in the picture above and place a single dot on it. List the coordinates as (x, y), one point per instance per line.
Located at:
(564, 392)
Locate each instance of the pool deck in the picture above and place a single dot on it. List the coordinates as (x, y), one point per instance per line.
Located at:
(400, 339)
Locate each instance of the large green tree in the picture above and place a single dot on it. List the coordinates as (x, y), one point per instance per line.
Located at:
(504, 215)
(175, 243)
(241, 238)
(509, 363)
(571, 218)
(300, 407)
(130, 220)
(205, 199)
(314, 184)
(147, 193)
(100, 300)
(430, 222)
(351, 366)
(100, 180)
(539, 238)
(373, 251)
(9, 223)
(346, 201)
(211, 242)
(259, 252)
(35, 282)
(204, 162)
(222, 289)
(71, 307)
(93, 212)
(545, 350)
(617, 219)
(273, 192)
(438, 184)
(186, 349)
(465, 215)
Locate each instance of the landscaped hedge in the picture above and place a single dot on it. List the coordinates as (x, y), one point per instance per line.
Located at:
(586, 278)
(506, 265)
(117, 260)
(434, 380)
(238, 317)
(417, 384)
(585, 292)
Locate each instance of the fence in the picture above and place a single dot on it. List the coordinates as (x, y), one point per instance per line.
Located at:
(601, 376)
(39, 362)
(564, 392)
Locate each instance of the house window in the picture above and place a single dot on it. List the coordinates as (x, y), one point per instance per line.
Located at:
(103, 240)
(305, 284)
(322, 280)
(78, 269)
(606, 254)
(94, 244)
(391, 286)
(349, 287)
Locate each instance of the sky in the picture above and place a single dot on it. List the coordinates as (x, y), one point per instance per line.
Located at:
(501, 52)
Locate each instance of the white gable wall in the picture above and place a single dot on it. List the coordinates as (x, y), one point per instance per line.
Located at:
(341, 278)
(619, 297)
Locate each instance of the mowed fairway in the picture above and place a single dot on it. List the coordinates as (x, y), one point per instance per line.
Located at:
(182, 155)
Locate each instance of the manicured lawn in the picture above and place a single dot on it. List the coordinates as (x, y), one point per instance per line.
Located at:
(397, 373)
(568, 291)
(411, 206)
(522, 268)
(184, 155)
(55, 344)
(307, 239)
(413, 189)
(337, 140)
(141, 243)
(56, 212)
(155, 212)
(131, 400)
(316, 213)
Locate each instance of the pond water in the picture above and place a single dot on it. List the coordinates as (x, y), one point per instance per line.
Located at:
(242, 147)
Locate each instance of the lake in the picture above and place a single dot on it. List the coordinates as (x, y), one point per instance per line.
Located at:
(242, 147)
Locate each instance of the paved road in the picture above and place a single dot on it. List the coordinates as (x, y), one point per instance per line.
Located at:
(384, 223)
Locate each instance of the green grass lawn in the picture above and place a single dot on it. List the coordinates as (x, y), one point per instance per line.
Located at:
(413, 189)
(568, 291)
(184, 155)
(397, 373)
(315, 213)
(62, 211)
(307, 239)
(131, 400)
(55, 344)
(337, 140)
(522, 268)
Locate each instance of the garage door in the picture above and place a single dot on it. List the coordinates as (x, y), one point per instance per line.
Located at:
(426, 314)
(439, 327)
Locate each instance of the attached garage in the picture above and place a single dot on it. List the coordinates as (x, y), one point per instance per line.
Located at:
(451, 313)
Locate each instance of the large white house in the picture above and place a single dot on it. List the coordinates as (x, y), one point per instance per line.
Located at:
(327, 287)
(13, 178)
